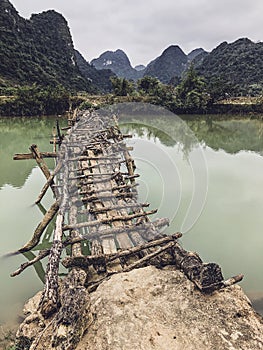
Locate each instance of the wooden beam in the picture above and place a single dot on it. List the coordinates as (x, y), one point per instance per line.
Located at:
(130, 206)
(108, 220)
(143, 228)
(42, 254)
(24, 156)
(86, 261)
(141, 262)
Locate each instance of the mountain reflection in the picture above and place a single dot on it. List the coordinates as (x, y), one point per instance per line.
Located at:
(231, 135)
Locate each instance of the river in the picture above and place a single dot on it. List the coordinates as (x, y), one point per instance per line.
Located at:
(207, 178)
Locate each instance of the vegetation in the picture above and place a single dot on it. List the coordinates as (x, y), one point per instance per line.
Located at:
(100, 78)
(234, 69)
(191, 93)
(36, 100)
(37, 51)
(122, 86)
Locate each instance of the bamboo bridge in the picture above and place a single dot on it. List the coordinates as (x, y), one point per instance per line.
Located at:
(101, 227)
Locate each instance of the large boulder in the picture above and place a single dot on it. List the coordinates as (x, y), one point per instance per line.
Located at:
(161, 309)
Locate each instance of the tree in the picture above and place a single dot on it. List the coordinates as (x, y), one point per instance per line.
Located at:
(148, 85)
(191, 93)
(122, 86)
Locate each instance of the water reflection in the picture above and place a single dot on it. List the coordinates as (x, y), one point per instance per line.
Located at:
(231, 136)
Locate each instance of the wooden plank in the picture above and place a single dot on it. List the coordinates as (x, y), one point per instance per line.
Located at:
(124, 241)
(109, 245)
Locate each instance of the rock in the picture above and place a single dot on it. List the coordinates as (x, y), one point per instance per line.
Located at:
(151, 309)
(161, 309)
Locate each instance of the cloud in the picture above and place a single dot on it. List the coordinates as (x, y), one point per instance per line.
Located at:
(145, 28)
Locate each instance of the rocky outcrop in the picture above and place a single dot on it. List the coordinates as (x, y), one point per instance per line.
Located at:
(171, 63)
(39, 50)
(151, 309)
(119, 63)
(100, 79)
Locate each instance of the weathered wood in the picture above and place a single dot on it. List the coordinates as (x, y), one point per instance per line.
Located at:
(24, 156)
(82, 158)
(50, 182)
(73, 214)
(233, 280)
(108, 220)
(101, 190)
(50, 301)
(86, 261)
(54, 141)
(99, 262)
(115, 207)
(142, 229)
(42, 254)
(74, 315)
(60, 136)
(42, 165)
(108, 195)
(41, 228)
(141, 262)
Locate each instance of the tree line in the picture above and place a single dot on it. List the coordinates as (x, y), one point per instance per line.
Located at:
(190, 95)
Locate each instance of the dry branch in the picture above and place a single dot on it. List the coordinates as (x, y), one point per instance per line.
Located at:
(41, 228)
(50, 182)
(43, 166)
(42, 254)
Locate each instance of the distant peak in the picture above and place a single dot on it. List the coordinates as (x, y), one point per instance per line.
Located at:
(120, 51)
(244, 40)
(173, 48)
(194, 53)
(139, 67)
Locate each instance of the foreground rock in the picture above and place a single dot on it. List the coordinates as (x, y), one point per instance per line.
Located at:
(161, 309)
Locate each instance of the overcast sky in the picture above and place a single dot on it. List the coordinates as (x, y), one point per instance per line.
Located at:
(144, 28)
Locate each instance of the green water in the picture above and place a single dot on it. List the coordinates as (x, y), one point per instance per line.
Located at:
(20, 184)
(207, 179)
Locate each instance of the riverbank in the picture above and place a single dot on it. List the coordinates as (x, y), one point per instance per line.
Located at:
(38, 103)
